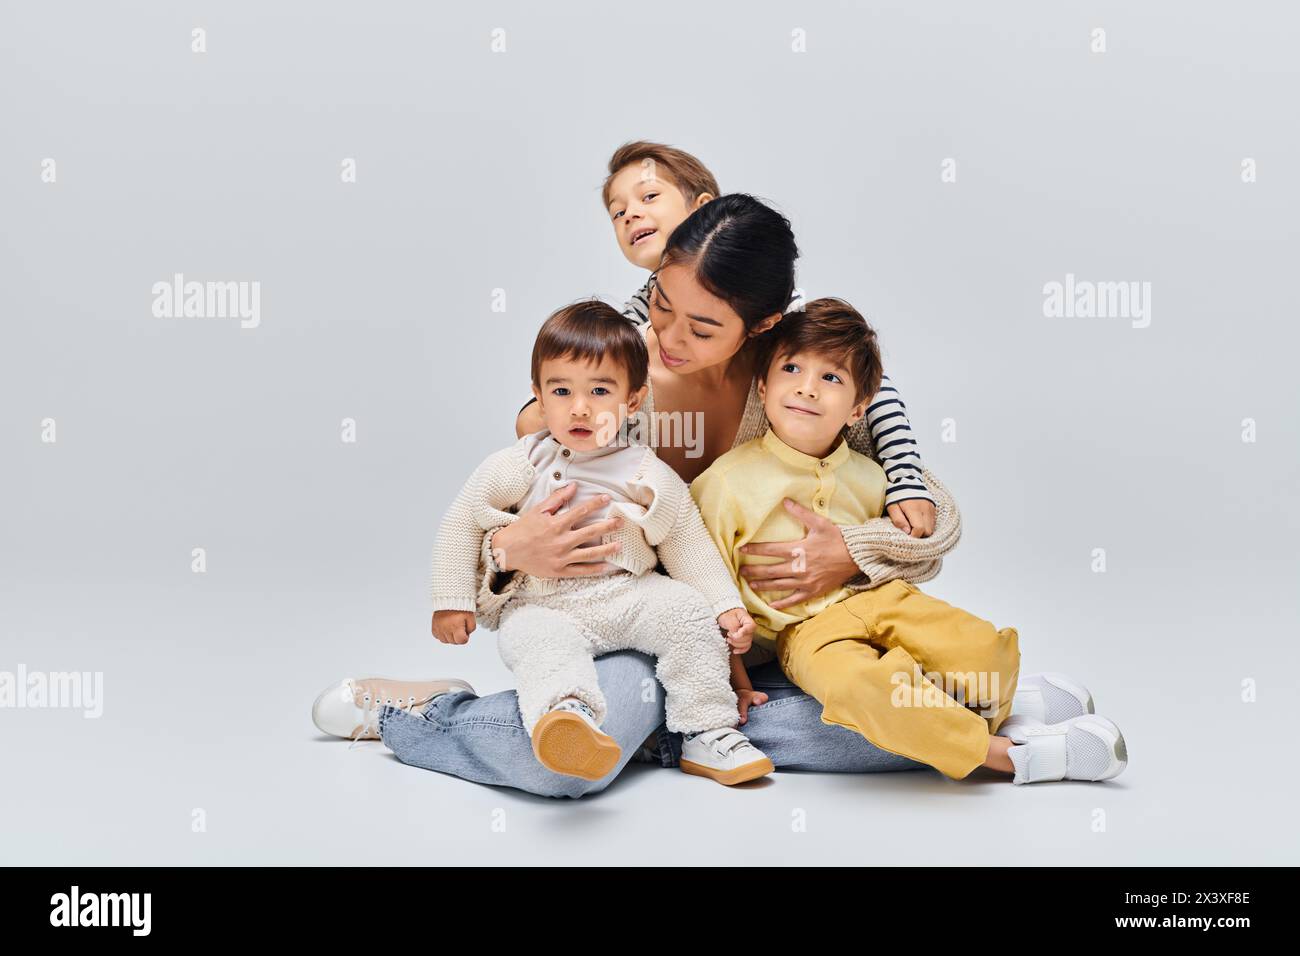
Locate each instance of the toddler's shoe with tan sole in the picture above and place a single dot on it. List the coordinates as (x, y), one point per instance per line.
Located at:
(567, 740)
(724, 755)
(350, 708)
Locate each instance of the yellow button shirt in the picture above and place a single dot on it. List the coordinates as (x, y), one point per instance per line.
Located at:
(740, 497)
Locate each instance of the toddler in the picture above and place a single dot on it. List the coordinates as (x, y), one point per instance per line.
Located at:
(589, 372)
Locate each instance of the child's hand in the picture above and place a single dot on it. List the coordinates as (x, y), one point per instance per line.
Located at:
(746, 698)
(914, 516)
(739, 627)
(453, 627)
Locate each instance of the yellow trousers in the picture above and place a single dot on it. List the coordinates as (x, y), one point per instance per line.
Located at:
(913, 674)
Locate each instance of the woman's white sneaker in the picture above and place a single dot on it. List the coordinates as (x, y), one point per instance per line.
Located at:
(724, 755)
(1050, 698)
(1088, 747)
(350, 708)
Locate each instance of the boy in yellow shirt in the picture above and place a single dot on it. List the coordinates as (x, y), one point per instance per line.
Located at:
(913, 674)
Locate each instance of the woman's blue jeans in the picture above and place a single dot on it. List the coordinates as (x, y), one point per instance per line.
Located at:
(483, 738)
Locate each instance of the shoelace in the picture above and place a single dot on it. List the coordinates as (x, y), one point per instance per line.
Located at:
(372, 715)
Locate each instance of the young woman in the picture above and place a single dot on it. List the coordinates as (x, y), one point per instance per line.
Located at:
(727, 276)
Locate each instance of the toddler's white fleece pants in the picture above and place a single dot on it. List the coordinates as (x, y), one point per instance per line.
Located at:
(551, 628)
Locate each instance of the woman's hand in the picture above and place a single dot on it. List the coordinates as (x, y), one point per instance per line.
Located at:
(529, 420)
(545, 544)
(915, 516)
(814, 564)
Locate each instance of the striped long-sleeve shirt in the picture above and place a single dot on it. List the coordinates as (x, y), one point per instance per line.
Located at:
(891, 432)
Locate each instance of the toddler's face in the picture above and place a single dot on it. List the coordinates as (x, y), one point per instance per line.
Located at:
(808, 398)
(645, 208)
(584, 404)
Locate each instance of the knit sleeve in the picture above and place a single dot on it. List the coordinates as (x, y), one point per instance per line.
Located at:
(894, 446)
(495, 588)
(689, 553)
(459, 571)
(717, 511)
(884, 553)
(452, 576)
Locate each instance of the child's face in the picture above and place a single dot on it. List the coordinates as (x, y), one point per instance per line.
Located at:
(584, 404)
(808, 398)
(645, 208)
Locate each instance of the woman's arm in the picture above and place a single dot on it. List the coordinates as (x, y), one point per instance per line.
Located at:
(880, 550)
(529, 419)
(855, 556)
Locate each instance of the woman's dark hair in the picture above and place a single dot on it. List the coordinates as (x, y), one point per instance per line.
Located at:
(741, 250)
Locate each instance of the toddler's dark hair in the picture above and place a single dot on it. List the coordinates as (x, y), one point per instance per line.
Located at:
(832, 328)
(588, 331)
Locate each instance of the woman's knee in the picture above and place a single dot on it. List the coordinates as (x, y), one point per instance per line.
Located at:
(624, 674)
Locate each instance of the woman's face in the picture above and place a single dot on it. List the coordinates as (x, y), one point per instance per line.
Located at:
(693, 327)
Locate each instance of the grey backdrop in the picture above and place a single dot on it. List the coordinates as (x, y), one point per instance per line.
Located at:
(479, 170)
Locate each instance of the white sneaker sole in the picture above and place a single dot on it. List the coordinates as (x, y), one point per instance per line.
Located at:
(334, 716)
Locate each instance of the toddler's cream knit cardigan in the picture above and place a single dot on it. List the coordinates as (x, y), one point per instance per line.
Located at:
(880, 550)
(669, 530)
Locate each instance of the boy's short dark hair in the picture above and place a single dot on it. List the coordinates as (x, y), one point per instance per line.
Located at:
(832, 328)
(691, 176)
(588, 331)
